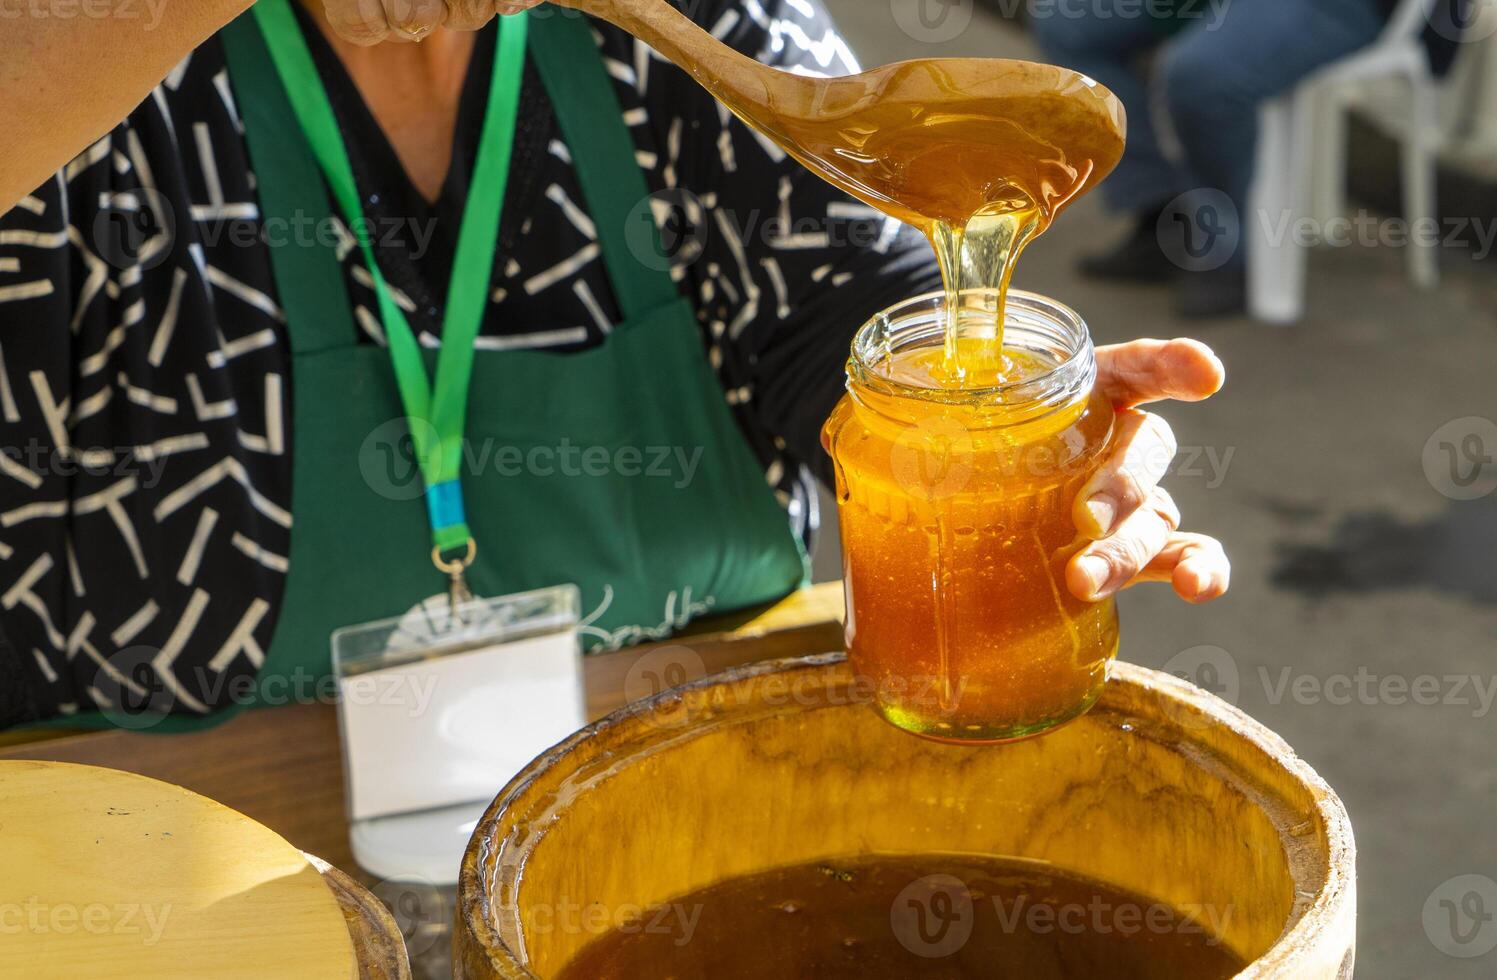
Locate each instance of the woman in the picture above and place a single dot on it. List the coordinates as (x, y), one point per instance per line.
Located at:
(195, 309)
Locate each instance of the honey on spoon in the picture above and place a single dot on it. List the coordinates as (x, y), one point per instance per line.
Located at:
(979, 154)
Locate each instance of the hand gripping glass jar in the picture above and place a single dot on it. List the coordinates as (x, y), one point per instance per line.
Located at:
(955, 507)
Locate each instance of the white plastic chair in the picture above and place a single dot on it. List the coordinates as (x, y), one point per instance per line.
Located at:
(1301, 163)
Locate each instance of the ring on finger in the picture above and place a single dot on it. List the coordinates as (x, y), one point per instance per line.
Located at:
(413, 31)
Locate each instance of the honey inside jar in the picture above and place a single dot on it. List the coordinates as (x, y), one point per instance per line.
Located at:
(955, 507)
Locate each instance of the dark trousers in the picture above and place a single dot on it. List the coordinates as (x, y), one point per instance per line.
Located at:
(1215, 62)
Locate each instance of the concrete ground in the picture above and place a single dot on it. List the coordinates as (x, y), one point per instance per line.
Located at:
(1354, 574)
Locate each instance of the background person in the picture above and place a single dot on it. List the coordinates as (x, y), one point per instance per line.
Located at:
(1210, 70)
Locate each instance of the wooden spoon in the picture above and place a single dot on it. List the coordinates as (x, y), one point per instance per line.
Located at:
(923, 141)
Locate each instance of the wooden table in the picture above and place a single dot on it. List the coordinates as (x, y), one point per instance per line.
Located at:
(283, 767)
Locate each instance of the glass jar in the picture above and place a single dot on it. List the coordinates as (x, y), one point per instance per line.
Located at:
(955, 508)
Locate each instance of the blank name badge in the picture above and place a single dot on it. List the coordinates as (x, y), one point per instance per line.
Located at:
(438, 709)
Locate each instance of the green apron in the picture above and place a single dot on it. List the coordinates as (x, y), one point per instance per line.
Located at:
(646, 551)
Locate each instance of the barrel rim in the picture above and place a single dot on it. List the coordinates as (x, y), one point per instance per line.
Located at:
(1330, 911)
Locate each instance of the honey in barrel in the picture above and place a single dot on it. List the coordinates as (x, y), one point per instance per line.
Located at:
(910, 918)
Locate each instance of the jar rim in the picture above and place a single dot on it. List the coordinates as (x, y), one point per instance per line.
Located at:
(1030, 320)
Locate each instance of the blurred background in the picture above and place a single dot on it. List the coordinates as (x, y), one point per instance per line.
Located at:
(1350, 463)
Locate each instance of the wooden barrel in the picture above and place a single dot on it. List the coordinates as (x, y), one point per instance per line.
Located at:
(113, 874)
(1161, 790)
(378, 944)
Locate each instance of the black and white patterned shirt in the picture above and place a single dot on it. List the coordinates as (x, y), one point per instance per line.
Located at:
(145, 368)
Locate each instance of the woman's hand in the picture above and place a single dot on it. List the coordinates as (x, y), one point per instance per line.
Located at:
(366, 22)
(1133, 522)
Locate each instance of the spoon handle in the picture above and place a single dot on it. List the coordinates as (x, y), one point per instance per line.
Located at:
(730, 76)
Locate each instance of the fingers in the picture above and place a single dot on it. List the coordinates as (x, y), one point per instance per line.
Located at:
(1104, 567)
(1147, 548)
(1133, 523)
(412, 20)
(369, 22)
(1196, 566)
(1142, 450)
(470, 15)
(1151, 370)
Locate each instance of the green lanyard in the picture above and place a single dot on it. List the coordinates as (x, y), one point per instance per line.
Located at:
(435, 410)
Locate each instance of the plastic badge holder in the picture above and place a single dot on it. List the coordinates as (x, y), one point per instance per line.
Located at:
(437, 716)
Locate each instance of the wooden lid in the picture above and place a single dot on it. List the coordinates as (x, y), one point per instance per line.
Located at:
(110, 874)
